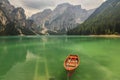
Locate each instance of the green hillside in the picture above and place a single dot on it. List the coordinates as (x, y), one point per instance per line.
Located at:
(105, 20)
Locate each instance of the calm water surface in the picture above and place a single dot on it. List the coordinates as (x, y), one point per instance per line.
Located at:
(41, 58)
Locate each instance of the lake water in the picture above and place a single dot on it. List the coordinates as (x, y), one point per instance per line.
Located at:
(41, 58)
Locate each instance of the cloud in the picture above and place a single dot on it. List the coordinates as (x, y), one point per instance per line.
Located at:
(42, 4)
(90, 4)
(38, 4)
(33, 6)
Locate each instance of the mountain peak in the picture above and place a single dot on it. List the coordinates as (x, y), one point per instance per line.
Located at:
(77, 6)
(64, 17)
(47, 10)
(64, 4)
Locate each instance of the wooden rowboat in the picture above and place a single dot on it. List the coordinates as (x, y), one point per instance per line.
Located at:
(71, 63)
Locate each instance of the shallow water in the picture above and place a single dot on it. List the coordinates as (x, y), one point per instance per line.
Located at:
(42, 57)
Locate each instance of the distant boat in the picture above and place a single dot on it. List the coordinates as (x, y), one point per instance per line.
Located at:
(71, 63)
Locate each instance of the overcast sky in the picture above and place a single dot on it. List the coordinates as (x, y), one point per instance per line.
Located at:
(34, 6)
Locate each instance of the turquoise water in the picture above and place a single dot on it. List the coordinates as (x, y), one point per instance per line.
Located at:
(41, 58)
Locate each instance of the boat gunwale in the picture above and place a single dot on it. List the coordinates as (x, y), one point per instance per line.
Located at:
(75, 66)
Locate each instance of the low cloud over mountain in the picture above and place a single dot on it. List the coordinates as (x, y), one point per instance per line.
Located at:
(38, 4)
(34, 6)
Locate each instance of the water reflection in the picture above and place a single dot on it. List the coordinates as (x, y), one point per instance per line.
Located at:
(9, 56)
(41, 58)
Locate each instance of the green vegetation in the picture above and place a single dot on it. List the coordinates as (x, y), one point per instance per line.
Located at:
(105, 20)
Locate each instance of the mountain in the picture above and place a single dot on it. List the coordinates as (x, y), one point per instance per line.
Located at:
(105, 20)
(40, 18)
(63, 18)
(13, 20)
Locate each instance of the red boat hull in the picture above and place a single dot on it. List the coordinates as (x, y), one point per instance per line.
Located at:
(71, 62)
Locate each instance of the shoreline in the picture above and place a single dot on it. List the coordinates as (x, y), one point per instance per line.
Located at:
(117, 36)
(107, 36)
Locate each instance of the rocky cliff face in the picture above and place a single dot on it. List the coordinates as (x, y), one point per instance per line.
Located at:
(62, 18)
(13, 20)
(40, 18)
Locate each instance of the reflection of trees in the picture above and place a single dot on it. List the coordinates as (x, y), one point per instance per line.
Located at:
(10, 54)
